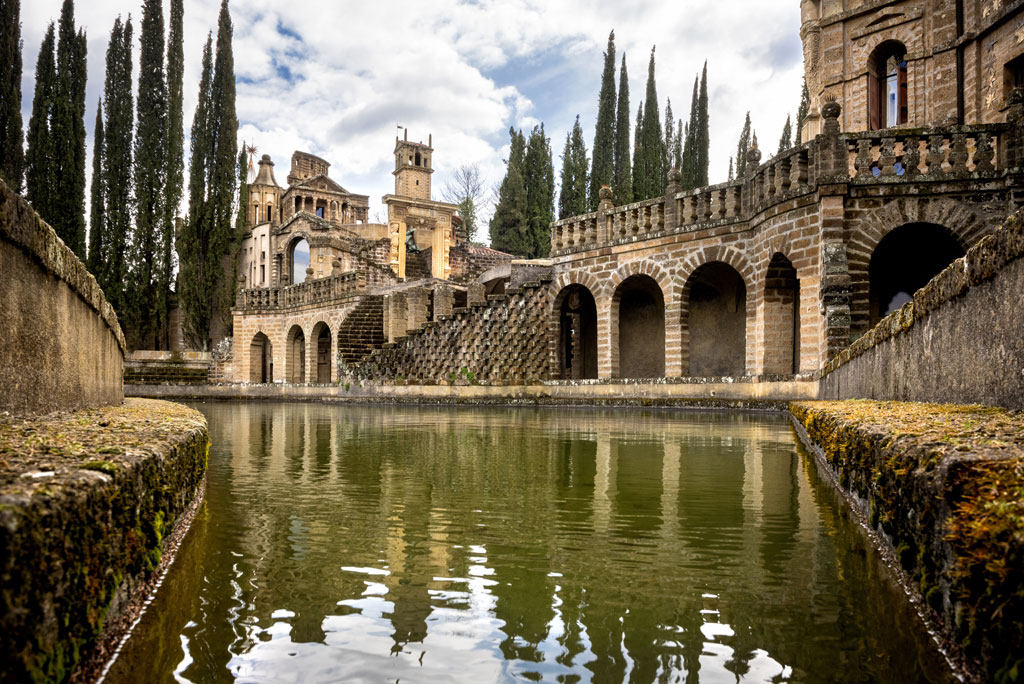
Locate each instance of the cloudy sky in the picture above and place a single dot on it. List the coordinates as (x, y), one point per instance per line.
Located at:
(337, 78)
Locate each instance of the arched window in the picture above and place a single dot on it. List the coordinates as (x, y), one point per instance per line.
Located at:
(270, 212)
(887, 86)
(255, 213)
(417, 159)
(300, 261)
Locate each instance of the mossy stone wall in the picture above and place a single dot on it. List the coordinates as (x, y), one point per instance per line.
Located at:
(943, 485)
(86, 502)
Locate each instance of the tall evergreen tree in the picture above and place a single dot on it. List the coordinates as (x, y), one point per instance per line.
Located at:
(174, 166)
(117, 165)
(508, 224)
(730, 169)
(741, 148)
(12, 154)
(67, 128)
(40, 170)
(622, 181)
(689, 167)
(243, 190)
(148, 174)
(572, 199)
(652, 154)
(97, 211)
(639, 177)
(209, 240)
(604, 133)
(670, 143)
(702, 136)
(677, 151)
(786, 141)
(540, 193)
(801, 112)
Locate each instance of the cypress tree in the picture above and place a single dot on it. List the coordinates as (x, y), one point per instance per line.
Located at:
(97, 213)
(670, 143)
(508, 224)
(12, 154)
(730, 169)
(622, 183)
(210, 239)
(604, 133)
(572, 200)
(639, 179)
(117, 164)
(174, 166)
(742, 147)
(194, 243)
(786, 141)
(148, 176)
(702, 136)
(40, 172)
(677, 152)
(540, 193)
(652, 156)
(67, 128)
(689, 167)
(243, 190)
(801, 112)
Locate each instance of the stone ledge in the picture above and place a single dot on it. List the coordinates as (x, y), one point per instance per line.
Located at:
(942, 488)
(88, 500)
(22, 226)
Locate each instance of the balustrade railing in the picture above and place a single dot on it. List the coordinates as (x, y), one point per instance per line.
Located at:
(946, 152)
(927, 154)
(316, 291)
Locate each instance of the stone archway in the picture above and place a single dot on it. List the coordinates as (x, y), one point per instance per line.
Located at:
(716, 318)
(322, 359)
(261, 359)
(638, 311)
(295, 355)
(577, 333)
(781, 317)
(903, 262)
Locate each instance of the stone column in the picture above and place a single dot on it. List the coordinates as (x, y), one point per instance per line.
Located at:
(671, 206)
(475, 295)
(444, 301)
(604, 219)
(416, 308)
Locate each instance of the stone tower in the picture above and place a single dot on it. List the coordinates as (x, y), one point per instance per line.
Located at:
(412, 168)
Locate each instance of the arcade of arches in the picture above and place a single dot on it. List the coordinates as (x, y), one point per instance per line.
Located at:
(723, 323)
(307, 357)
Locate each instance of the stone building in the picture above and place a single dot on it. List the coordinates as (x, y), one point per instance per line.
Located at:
(914, 151)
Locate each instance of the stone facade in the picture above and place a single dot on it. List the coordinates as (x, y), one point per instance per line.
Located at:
(961, 59)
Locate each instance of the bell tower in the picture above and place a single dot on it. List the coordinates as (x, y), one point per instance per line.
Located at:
(413, 168)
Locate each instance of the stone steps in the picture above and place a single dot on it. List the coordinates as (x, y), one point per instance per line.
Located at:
(362, 330)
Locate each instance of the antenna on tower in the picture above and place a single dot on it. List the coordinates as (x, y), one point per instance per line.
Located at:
(251, 149)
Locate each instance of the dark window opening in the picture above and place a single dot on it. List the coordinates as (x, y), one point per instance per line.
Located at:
(887, 86)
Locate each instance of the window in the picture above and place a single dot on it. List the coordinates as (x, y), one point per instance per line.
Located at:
(319, 212)
(270, 214)
(887, 86)
(1013, 76)
(300, 261)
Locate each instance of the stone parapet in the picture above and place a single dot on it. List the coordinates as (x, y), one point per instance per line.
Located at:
(62, 345)
(939, 488)
(91, 504)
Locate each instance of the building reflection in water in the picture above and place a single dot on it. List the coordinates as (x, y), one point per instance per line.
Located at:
(490, 545)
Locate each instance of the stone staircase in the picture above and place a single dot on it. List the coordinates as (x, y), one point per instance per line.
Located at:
(362, 330)
(416, 266)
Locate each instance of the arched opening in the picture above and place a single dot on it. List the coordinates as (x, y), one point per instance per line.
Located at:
(295, 359)
(299, 261)
(417, 159)
(298, 204)
(270, 212)
(322, 335)
(261, 359)
(717, 321)
(255, 214)
(781, 318)
(321, 209)
(887, 85)
(904, 261)
(639, 306)
(577, 337)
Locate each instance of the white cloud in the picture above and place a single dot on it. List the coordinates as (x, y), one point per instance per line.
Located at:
(335, 79)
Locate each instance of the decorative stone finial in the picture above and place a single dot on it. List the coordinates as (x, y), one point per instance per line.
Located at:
(831, 109)
(674, 176)
(309, 271)
(605, 193)
(753, 156)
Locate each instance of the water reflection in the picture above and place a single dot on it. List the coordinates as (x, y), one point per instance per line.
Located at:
(383, 544)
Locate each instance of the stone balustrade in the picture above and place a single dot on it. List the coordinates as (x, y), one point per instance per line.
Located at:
(893, 155)
(317, 291)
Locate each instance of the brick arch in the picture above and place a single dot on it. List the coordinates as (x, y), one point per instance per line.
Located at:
(257, 371)
(313, 355)
(559, 291)
(959, 220)
(294, 356)
(607, 314)
(738, 261)
(643, 267)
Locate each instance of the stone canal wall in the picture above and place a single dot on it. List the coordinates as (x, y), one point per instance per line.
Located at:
(940, 486)
(62, 345)
(960, 340)
(91, 505)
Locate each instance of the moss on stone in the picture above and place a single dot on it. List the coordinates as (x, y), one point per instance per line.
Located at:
(946, 485)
